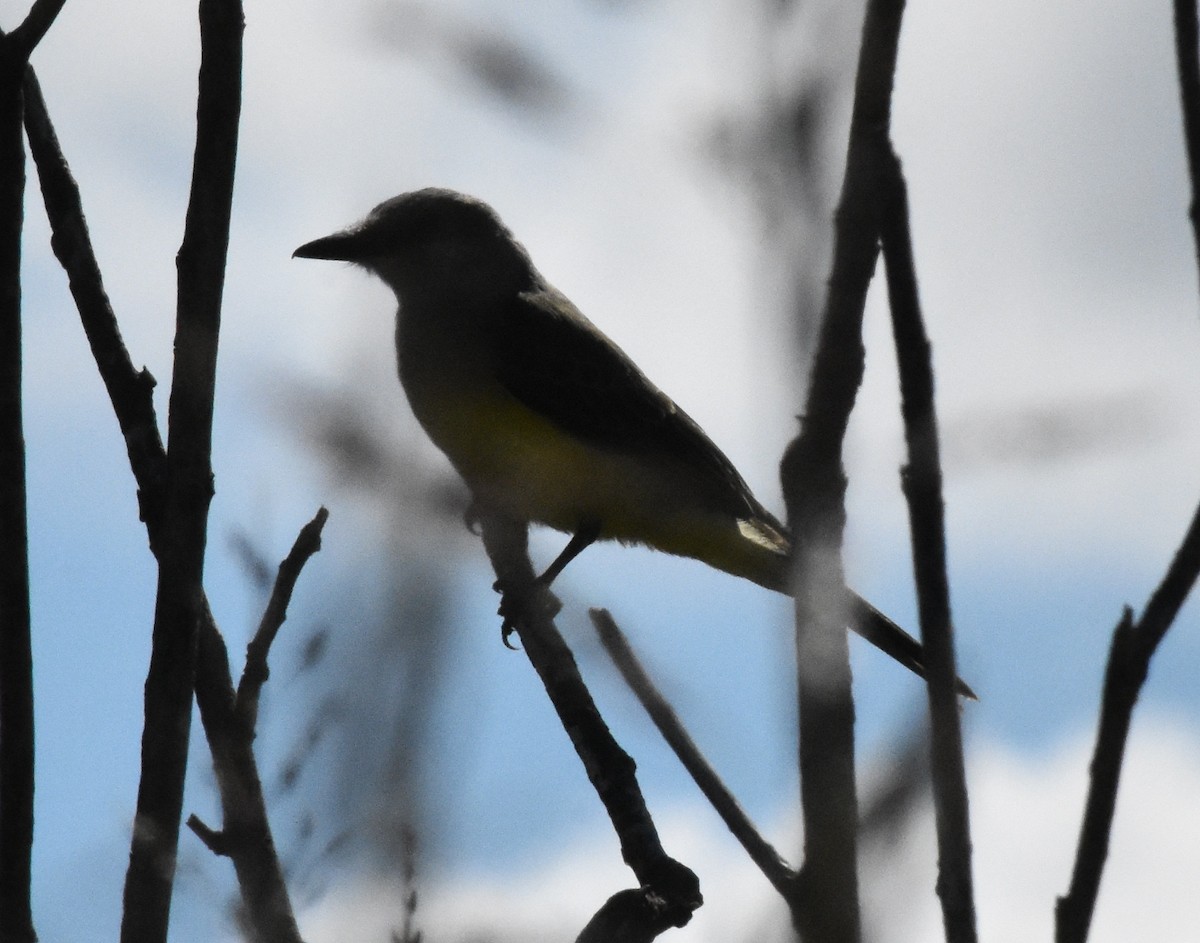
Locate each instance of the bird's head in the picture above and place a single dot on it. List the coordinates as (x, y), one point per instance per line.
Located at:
(431, 239)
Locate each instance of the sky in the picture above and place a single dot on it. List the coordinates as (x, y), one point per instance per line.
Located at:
(1042, 148)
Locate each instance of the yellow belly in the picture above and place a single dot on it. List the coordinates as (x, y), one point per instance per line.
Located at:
(519, 463)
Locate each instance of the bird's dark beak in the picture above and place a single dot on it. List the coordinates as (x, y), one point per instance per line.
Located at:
(341, 246)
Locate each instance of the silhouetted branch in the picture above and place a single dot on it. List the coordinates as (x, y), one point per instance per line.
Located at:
(16, 655)
(1133, 645)
(922, 480)
(131, 391)
(529, 607)
(1187, 62)
(635, 915)
(827, 906)
(255, 672)
(131, 394)
(245, 835)
(25, 37)
(200, 265)
(769, 861)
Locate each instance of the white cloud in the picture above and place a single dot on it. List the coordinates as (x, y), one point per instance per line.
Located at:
(1025, 819)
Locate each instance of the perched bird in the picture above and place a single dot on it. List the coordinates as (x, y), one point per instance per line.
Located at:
(545, 418)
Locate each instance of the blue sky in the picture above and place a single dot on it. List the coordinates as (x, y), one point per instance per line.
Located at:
(1045, 162)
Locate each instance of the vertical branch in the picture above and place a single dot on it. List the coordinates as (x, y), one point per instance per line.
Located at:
(827, 908)
(16, 657)
(923, 488)
(1187, 63)
(16, 651)
(178, 610)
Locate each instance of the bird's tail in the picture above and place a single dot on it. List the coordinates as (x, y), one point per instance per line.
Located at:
(773, 569)
(888, 637)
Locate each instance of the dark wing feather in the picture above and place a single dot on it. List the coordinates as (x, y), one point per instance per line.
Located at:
(558, 364)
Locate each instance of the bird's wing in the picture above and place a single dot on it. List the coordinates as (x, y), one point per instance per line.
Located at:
(558, 364)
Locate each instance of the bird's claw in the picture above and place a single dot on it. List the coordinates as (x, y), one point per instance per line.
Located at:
(518, 604)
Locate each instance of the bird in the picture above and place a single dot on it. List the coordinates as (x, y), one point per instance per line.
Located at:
(545, 418)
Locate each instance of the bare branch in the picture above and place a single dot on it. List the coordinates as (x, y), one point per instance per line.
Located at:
(761, 852)
(213, 840)
(827, 906)
(922, 479)
(255, 671)
(635, 915)
(609, 768)
(229, 723)
(201, 276)
(1133, 646)
(25, 37)
(16, 657)
(263, 886)
(131, 391)
(1187, 62)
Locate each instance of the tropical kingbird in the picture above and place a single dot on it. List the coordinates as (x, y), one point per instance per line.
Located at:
(545, 418)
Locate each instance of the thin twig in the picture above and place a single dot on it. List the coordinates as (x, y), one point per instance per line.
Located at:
(827, 905)
(245, 835)
(761, 852)
(609, 768)
(255, 671)
(922, 479)
(1133, 646)
(214, 841)
(1187, 63)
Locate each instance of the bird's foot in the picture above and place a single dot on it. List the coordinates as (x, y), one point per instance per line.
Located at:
(520, 603)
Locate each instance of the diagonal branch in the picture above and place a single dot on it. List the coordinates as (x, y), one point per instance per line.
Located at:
(1134, 643)
(255, 672)
(245, 834)
(130, 390)
(922, 479)
(1133, 646)
(669, 886)
(25, 37)
(761, 852)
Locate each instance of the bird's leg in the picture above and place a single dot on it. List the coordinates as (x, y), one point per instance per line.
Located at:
(585, 535)
(514, 601)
